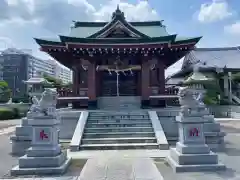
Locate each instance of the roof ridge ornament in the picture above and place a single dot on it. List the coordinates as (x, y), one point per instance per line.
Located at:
(118, 13)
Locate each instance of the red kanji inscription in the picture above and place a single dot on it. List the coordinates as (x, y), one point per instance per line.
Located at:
(43, 135)
(194, 132)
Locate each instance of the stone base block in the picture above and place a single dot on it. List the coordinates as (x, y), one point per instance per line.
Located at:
(192, 149)
(194, 168)
(24, 122)
(36, 162)
(193, 162)
(23, 131)
(41, 170)
(20, 144)
(43, 152)
(211, 127)
(193, 159)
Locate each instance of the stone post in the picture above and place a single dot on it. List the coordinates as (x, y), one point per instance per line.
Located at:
(191, 152)
(45, 155)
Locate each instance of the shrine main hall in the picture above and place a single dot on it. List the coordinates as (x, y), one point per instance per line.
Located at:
(118, 58)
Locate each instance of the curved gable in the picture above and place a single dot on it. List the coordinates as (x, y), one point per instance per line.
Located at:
(118, 23)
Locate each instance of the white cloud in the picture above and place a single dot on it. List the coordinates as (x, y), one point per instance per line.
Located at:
(141, 11)
(57, 15)
(233, 28)
(49, 18)
(214, 11)
(6, 42)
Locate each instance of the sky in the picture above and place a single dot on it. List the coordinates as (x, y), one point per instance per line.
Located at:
(218, 21)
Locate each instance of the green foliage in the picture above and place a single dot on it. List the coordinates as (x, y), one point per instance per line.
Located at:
(23, 99)
(5, 92)
(7, 113)
(236, 77)
(212, 87)
(55, 82)
(12, 112)
(212, 92)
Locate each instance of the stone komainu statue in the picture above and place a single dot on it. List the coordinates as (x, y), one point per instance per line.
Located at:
(48, 99)
(190, 97)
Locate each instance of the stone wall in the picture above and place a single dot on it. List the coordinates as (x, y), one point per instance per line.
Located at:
(68, 124)
(225, 111)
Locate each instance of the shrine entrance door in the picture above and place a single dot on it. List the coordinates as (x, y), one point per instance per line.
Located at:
(119, 84)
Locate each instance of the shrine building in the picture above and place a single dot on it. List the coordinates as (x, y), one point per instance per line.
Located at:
(118, 58)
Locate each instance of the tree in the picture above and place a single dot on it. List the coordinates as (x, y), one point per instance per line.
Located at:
(55, 82)
(5, 92)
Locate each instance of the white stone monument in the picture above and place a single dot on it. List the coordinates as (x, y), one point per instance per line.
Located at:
(191, 152)
(45, 155)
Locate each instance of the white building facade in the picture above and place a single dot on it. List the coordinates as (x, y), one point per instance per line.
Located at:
(36, 66)
(62, 72)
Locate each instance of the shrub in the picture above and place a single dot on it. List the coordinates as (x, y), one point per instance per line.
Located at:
(6, 113)
(20, 99)
(16, 113)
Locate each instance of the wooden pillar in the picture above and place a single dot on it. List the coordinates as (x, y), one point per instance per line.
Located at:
(92, 101)
(161, 76)
(161, 81)
(74, 77)
(145, 77)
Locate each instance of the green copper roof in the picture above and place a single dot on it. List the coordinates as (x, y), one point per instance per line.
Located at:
(118, 16)
(142, 29)
(49, 42)
(162, 39)
(151, 31)
(186, 40)
(139, 32)
(170, 38)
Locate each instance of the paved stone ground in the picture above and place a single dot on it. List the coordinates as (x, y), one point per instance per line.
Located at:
(6, 160)
(9, 123)
(231, 158)
(112, 167)
(120, 168)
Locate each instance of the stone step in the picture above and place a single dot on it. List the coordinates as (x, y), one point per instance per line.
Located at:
(119, 118)
(119, 140)
(119, 105)
(118, 121)
(119, 129)
(116, 117)
(92, 125)
(115, 114)
(109, 122)
(119, 146)
(118, 134)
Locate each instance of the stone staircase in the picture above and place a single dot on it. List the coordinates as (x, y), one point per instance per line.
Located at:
(118, 130)
(119, 103)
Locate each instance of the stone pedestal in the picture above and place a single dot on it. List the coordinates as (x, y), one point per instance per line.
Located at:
(22, 138)
(191, 152)
(45, 155)
(214, 137)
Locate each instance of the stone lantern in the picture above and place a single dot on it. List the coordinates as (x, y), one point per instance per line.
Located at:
(191, 152)
(37, 85)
